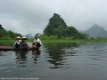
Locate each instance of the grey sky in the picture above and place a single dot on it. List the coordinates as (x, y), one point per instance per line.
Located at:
(32, 16)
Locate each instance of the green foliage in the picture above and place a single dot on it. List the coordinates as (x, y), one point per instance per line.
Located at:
(80, 36)
(54, 22)
(3, 33)
(58, 27)
(60, 32)
(71, 31)
(7, 34)
(44, 37)
(52, 37)
(9, 42)
(1, 27)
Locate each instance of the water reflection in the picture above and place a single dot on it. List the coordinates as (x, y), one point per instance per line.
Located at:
(21, 56)
(57, 53)
(57, 62)
(35, 54)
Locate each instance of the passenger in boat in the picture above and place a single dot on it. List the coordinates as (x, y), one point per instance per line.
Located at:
(33, 45)
(17, 42)
(37, 42)
(23, 43)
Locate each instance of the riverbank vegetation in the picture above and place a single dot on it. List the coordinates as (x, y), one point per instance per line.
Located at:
(58, 27)
(56, 31)
(8, 42)
(7, 37)
(7, 34)
(53, 39)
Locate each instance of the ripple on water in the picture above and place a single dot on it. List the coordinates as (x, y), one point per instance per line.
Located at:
(83, 62)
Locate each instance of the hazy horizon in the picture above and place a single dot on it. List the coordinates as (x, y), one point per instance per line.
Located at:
(32, 16)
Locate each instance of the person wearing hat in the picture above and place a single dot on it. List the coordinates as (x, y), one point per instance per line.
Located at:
(23, 43)
(17, 42)
(37, 42)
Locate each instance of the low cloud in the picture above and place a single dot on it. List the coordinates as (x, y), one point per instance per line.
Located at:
(32, 16)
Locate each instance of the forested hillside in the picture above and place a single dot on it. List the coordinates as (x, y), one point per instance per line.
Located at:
(7, 34)
(59, 28)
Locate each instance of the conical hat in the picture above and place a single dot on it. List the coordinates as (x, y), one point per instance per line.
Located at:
(18, 37)
(24, 37)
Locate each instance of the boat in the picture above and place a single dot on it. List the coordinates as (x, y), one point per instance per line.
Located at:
(9, 48)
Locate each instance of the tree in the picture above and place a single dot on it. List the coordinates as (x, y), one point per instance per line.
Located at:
(71, 31)
(54, 23)
(1, 27)
(58, 27)
(60, 32)
(7, 34)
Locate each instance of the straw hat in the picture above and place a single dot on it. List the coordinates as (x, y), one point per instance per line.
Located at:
(37, 35)
(18, 37)
(24, 37)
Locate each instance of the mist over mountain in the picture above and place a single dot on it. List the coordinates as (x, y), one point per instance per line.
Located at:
(29, 35)
(96, 31)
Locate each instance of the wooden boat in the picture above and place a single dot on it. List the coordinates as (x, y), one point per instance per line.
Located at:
(8, 48)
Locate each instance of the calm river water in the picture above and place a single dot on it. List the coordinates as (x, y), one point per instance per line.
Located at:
(56, 62)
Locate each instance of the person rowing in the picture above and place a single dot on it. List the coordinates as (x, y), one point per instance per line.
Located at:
(23, 44)
(37, 42)
(17, 43)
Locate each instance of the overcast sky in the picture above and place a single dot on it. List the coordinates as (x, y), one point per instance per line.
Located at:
(32, 16)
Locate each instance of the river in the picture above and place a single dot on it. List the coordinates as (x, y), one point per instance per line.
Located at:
(56, 62)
